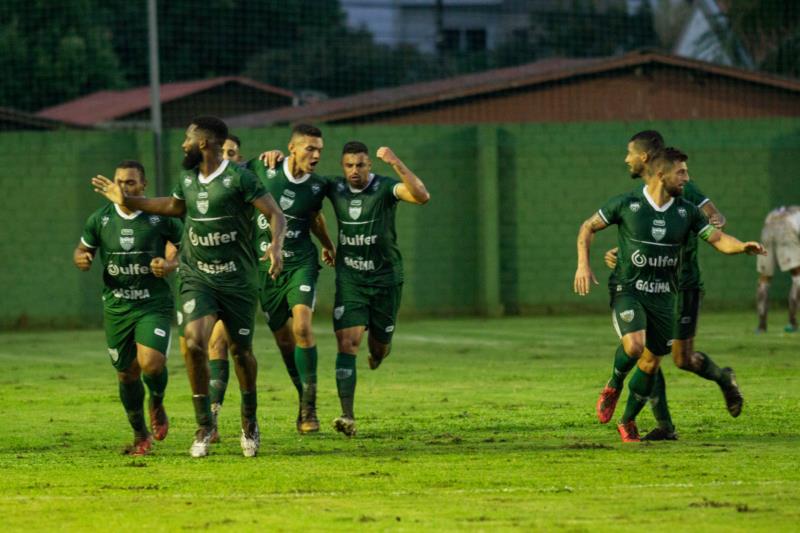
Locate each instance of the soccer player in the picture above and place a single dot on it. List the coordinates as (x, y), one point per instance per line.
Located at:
(288, 301)
(654, 224)
(231, 149)
(781, 236)
(137, 252)
(218, 265)
(690, 289)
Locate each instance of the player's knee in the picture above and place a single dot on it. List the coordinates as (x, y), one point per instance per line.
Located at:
(379, 350)
(129, 376)
(302, 331)
(634, 348)
(348, 344)
(195, 348)
(153, 365)
(218, 349)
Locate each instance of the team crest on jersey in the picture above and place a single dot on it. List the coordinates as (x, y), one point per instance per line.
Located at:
(104, 221)
(287, 199)
(338, 312)
(187, 181)
(340, 187)
(658, 233)
(375, 185)
(262, 221)
(627, 316)
(682, 212)
(226, 181)
(202, 202)
(635, 206)
(126, 238)
(315, 188)
(355, 209)
(154, 219)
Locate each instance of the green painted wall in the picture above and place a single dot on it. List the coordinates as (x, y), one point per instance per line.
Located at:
(498, 234)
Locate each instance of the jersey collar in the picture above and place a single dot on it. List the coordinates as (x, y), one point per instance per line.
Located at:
(655, 205)
(220, 169)
(121, 213)
(296, 181)
(358, 191)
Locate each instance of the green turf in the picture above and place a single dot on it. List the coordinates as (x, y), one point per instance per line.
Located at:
(470, 424)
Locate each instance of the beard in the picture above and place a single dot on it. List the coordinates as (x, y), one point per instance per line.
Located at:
(673, 191)
(192, 158)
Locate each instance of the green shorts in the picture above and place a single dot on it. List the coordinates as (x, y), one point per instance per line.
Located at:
(630, 312)
(372, 307)
(125, 331)
(687, 310)
(236, 308)
(297, 286)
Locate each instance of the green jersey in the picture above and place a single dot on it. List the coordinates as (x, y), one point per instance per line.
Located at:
(650, 239)
(218, 238)
(367, 252)
(126, 244)
(690, 268)
(299, 199)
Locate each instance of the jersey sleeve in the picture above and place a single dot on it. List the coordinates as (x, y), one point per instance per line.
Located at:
(91, 232)
(611, 211)
(177, 191)
(250, 186)
(700, 224)
(391, 185)
(693, 194)
(174, 231)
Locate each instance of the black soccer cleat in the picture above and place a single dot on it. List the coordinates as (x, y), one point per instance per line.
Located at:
(733, 397)
(660, 433)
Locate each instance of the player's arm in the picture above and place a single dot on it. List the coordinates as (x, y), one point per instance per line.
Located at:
(714, 215)
(412, 190)
(320, 230)
(584, 277)
(168, 206)
(728, 244)
(164, 266)
(277, 223)
(83, 256)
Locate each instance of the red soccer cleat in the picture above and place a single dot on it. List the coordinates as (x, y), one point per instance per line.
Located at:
(140, 446)
(159, 423)
(606, 403)
(628, 431)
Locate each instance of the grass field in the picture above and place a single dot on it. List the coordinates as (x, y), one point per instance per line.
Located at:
(470, 424)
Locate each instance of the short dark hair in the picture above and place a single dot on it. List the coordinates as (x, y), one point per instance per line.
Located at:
(235, 139)
(307, 130)
(214, 128)
(132, 163)
(649, 141)
(667, 158)
(355, 147)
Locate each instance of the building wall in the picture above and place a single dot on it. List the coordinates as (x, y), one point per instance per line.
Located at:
(499, 231)
(647, 93)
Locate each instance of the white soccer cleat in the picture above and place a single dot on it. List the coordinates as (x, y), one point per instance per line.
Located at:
(250, 441)
(201, 444)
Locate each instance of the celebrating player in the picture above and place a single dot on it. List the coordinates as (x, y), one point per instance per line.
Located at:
(654, 223)
(218, 265)
(137, 252)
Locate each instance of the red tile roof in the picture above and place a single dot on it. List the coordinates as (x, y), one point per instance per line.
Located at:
(104, 106)
(491, 81)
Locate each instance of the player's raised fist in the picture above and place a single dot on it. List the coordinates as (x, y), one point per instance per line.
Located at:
(271, 158)
(386, 155)
(159, 267)
(109, 189)
(83, 260)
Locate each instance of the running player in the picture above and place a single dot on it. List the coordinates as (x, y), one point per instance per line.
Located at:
(781, 236)
(654, 224)
(137, 252)
(218, 265)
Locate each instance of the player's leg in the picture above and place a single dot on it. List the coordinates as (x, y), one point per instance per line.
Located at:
(152, 345)
(640, 389)
(122, 352)
(384, 304)
(765, 264)
(762, 302)
(301, 290)
(629, 321)
(237, 311)
(794, 297)
(284, 340)
(348, 341)
(219, 373)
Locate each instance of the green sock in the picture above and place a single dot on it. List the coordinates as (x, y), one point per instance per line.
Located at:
(622, 365)
(640, 388)
(709, 369)
(294, 375)
(218, 379)
(249, 405)
(346, 381)
(202, 410)
(157, 385)
(132, 396)
(306, 361)
(658, 402)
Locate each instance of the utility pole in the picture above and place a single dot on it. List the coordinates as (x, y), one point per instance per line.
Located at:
(155, 96)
